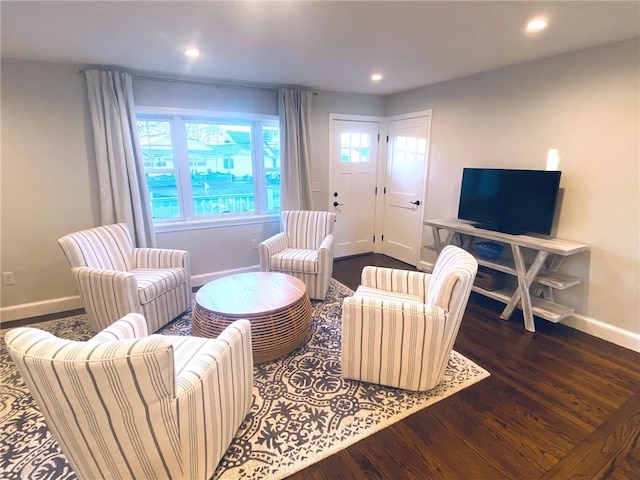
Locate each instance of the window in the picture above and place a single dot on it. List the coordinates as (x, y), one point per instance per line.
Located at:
(355, 147)
(200, 168)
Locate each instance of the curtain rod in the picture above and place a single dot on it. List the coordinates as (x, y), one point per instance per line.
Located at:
(162, 78)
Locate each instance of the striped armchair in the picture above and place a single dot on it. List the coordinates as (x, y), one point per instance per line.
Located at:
(128, 405)
(303, 249)
(399, 327)
(114, 278)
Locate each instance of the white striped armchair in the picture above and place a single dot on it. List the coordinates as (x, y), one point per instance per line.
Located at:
(128, 405)
(304, 249)
(114, 278)
(399, 327)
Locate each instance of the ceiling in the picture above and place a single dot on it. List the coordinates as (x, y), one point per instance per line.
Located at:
(325, 45)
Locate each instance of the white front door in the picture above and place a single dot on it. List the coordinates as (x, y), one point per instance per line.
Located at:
(354, 156)
(407, 156)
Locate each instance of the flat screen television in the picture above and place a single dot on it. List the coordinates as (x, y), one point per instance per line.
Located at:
(509, 201)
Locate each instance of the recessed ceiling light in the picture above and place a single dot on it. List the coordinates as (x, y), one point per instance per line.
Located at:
(192, 52)
(536, 24)
(376, 77)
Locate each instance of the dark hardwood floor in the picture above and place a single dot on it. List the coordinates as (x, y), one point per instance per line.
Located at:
(559, 404)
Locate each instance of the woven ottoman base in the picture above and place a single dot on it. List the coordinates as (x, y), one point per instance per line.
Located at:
(276, 304)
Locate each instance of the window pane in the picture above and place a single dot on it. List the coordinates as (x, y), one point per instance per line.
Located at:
(221, 168)
(155, 143)
(163, 194)
(213, 168)
(355, 147)
(271, 144)
(271, 156)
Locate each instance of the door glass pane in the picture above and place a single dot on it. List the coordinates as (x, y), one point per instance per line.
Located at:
(163, 194)
(355, 147)
(221, 168)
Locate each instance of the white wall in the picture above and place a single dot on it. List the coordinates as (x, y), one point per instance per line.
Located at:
(47, 177)
(585, 104)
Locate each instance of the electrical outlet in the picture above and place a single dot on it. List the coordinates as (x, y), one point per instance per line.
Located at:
(315, 186)
(254, 244)
(8, 279)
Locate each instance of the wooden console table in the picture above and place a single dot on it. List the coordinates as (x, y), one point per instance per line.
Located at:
(535, 281)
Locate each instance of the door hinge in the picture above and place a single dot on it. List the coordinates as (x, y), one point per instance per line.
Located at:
(385, 190)
(382, 238)
(378, 137)
(376, 191)
(374, 239)
(387, 138)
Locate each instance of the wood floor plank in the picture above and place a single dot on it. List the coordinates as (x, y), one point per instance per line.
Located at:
(598, 455)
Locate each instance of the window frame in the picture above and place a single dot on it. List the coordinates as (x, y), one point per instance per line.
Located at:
(187, 220)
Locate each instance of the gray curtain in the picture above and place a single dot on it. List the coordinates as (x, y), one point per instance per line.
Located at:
(123, 188)
(294, 108)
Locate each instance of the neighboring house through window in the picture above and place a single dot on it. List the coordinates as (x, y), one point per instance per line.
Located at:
(210, 166)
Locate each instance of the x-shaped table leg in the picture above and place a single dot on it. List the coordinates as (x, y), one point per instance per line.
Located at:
(525, 279)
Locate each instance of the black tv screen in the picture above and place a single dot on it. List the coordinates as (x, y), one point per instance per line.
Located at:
(509, 201)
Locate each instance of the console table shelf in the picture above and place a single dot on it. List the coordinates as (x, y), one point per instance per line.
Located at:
(535, 279)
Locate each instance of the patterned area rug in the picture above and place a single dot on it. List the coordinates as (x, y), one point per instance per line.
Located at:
(303, 411)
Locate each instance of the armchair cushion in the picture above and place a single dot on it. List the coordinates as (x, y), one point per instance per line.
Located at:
(153, 282)
(295, 260)
(368, 292)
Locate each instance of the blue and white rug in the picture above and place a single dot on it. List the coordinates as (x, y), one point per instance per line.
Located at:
(303, 410)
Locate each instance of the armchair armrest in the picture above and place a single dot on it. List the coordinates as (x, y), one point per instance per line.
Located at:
(216, 384)
(396, 280)
(325, 251)
(118, 294)
(231, 350)
(327, 242)
(130, 326)
(270, 246)
(114, 280)
(160, 258)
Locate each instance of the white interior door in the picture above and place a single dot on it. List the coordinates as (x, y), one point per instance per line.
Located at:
(353, 155)
(407, 157)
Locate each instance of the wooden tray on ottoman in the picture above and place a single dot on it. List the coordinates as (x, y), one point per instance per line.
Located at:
(276, 304)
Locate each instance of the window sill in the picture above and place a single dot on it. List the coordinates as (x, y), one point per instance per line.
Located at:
(180, 226)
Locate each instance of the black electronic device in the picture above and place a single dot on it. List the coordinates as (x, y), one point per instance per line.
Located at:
(509, 201)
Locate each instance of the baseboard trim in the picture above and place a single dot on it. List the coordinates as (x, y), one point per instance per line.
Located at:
(36, 309)
(604, 331)
(425, 266)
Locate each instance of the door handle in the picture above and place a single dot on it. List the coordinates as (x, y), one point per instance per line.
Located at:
(336, 204)
(416, 203)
